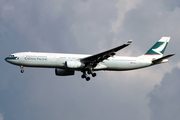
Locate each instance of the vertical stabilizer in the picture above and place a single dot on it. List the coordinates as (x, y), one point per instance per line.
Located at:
(159, 47)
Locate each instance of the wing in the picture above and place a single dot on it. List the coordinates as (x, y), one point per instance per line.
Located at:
(93, 60)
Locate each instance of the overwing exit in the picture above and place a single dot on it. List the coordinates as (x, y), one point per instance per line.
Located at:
(67, 64)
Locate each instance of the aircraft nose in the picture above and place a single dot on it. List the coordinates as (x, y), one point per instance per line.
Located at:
(10, 58)
(6, 59)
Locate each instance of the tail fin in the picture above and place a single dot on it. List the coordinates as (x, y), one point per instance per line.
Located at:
(159, 47)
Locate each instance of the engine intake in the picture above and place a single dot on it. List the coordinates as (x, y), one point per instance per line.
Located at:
(62, 72)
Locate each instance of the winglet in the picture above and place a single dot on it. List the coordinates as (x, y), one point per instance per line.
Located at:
(129, 41)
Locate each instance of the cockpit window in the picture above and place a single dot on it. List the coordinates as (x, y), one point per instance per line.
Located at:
(11, 55)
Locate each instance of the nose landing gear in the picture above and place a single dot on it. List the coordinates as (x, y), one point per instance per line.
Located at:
(22, 69)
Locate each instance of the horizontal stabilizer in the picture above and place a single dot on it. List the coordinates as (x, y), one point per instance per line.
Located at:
(156, 61)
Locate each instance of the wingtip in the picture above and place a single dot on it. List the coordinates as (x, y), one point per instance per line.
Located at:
(173, 54)
(129, 41)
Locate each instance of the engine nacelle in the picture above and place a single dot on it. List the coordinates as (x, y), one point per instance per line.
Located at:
(74, 64)
(62, 72)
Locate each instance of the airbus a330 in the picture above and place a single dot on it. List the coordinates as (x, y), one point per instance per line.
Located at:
(67, 64)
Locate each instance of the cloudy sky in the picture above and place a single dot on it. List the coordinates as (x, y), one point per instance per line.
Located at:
(89, 26)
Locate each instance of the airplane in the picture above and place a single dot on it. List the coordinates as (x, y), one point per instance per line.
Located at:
(67, 64)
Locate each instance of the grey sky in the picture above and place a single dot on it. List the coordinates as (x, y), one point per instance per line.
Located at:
(87, 26)
(164, 98)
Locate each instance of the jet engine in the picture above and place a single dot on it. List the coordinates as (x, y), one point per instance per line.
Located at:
(74, 64)
(62, 72)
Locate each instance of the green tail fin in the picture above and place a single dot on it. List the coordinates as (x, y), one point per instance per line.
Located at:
(159, 47)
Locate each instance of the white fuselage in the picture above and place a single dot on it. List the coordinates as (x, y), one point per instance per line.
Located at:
(57, 60)
(67, 64)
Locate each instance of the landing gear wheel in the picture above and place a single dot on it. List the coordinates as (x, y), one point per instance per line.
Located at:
(83, 76)
(22, 71)
(88, 78)
(89, 72)
(94, 74)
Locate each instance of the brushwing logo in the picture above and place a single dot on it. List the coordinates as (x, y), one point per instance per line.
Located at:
(160, 48)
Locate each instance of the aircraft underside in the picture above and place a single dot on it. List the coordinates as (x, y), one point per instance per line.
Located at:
(87, 72)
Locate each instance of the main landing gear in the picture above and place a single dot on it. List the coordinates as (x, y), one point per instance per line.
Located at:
(86, 76)
(22, 69)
